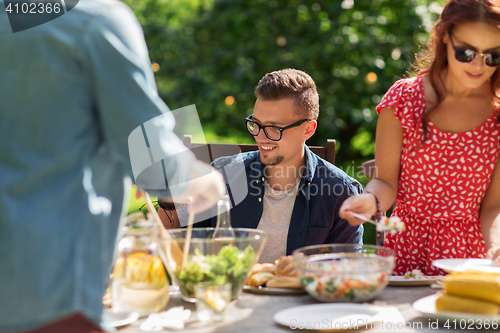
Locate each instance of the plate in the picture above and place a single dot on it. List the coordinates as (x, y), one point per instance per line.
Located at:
(117, 319)
(274, 291)
(427, 306)
(485, 265)
(402, 281)
(338, 316)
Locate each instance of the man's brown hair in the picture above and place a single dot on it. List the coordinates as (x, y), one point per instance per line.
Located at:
(294, 84)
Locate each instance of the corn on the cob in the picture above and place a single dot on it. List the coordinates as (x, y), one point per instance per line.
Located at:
(446, 302)
(474, 284)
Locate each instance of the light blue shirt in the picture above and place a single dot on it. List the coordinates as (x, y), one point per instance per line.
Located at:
(71, 92)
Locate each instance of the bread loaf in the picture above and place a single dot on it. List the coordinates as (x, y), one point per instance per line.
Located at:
(290, 282)
(259, 279)
(286, 266)
(266, 267)
(280, 275)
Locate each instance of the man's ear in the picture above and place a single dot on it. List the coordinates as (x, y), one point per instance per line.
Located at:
(311, 128)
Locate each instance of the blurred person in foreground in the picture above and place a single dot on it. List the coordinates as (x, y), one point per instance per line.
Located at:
(71, 92)
(437, 146)
(293, 194)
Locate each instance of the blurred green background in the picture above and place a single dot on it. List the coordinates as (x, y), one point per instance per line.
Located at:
(212, 53)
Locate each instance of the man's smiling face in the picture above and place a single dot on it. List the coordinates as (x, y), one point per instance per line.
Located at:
(290, 149)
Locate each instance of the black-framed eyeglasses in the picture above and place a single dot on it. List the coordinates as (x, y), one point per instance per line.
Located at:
(464, 54)
(273, 133)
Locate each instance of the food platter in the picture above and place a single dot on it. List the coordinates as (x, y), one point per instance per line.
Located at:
(274, 291)
(449, 265)
(403, 281)
(427, 306)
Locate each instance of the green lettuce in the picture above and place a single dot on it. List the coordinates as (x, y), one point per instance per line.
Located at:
(229, 265)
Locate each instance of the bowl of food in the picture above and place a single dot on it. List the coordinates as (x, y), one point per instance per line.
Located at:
(208, 259)
(344, 272)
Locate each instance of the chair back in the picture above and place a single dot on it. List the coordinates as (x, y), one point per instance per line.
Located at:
(368, 169)
(216, 150)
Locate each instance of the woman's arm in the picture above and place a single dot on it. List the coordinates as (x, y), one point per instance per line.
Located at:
(389, 141)
(490, 216)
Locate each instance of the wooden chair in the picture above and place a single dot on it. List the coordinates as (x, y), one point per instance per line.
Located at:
(216, 150)
(368, 168)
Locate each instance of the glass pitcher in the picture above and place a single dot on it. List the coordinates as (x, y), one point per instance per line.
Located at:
(139, 279)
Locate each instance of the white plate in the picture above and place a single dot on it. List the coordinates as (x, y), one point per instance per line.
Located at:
(274, 291)
(427, 306)
(402, 281)
(117, 319)
(485, 265)
(337, 316)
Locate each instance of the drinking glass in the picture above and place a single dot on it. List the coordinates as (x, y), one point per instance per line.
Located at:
(211, 300)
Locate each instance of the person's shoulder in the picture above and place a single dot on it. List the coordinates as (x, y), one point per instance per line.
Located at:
(328, 172)
(407, 98)
(410, 81)
(98, 8)
(228, 161)
(406, 85)
(98, 13)
(414, 84)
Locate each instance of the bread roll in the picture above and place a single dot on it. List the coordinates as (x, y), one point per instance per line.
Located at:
(290, 282)
(259, 279)
(286, 266)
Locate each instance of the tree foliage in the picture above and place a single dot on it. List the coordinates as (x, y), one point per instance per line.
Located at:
(208, 50)
(212, 53)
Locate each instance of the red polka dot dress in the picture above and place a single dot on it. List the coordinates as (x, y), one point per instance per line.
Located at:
(441, 185)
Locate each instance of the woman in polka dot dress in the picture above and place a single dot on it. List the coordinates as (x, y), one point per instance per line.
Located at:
(437, 146)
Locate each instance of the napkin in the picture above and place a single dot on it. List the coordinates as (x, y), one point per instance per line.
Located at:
(172, 319)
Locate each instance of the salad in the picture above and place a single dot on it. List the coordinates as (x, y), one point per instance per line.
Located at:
(392, 224)
(415, 274)
(349, 279)
(230, 265)
(351, 288)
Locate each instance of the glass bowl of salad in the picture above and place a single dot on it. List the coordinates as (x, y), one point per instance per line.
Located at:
(219, 260)
(344, 272)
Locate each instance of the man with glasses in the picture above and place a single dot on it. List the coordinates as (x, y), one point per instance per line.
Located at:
(292, 193)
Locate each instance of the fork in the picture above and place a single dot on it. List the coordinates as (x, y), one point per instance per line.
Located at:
(438, 284)
(359, 216)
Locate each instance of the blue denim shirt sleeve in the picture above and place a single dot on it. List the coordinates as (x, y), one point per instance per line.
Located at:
(71, 92)
(125, 92)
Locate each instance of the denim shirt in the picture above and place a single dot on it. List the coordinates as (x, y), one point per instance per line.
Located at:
(315, 220)
(71, 92)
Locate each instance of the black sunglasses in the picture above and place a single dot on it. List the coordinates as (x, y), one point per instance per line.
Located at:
(273, 133)
(464, 54)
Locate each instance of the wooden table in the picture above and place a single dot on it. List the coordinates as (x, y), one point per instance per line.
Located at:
(254, 313)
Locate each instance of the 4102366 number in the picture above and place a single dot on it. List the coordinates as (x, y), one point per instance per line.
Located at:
(33, 8)
(471, 324)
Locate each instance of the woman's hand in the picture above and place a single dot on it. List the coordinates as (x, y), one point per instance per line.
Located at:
(364, 204)
(494, 254)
